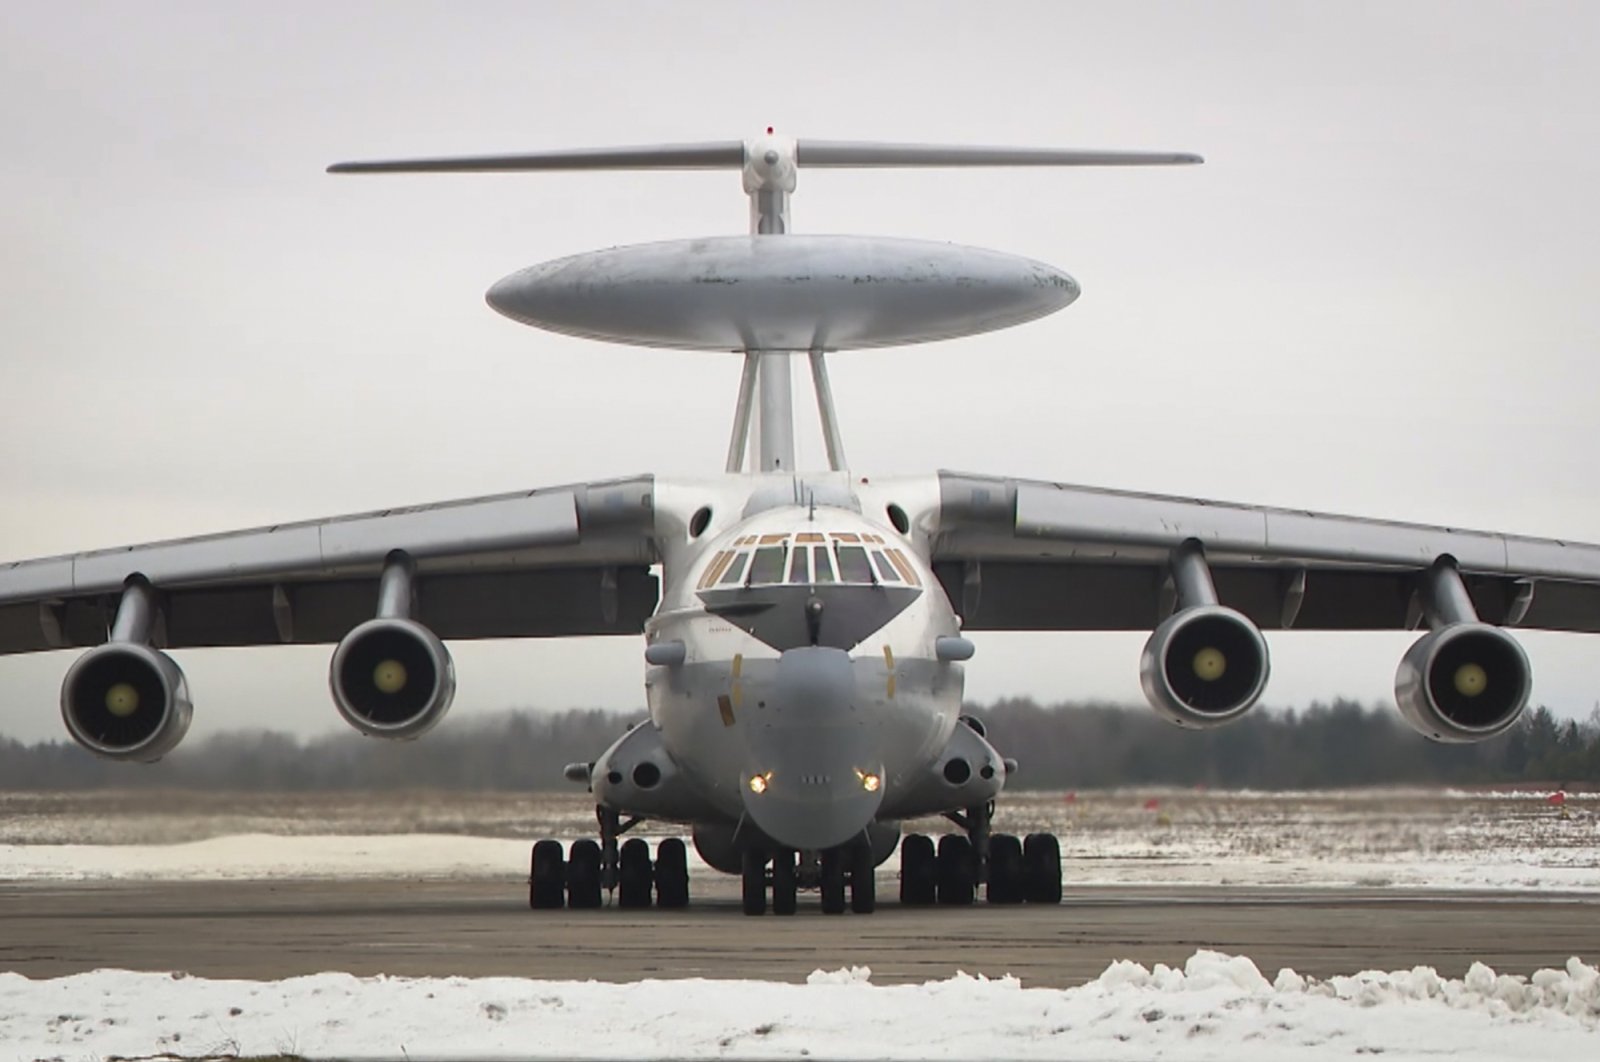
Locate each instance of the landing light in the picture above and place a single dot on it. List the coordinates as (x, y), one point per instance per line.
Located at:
(1210, 664)
(869, 782)
(758, 783)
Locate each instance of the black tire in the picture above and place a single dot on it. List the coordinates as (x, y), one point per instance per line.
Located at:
(832, 883)
(784, 892)
(672, 873)
(1041, 868)
(863, 880)
(583, 875)
(754, 880)
(919, 875)
(634, 874)
(1005, 869)
(547, 877)
(956, 877)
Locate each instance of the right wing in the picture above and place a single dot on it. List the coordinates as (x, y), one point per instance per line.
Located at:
(570, 560)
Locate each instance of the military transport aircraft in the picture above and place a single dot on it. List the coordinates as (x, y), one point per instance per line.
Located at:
(804, 630)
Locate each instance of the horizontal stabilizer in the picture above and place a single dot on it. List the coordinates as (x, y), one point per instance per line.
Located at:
(868, 153)
(718, 155)
(731, 154)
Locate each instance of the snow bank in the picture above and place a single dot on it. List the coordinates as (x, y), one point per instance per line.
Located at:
(1216, 1007)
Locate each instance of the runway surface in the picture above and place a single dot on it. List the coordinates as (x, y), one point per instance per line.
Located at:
(275, 929)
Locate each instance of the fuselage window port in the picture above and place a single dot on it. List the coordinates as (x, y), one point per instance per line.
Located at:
(897, 518)
(767, 567)
(735, 573)
(700, 521)
(799, 572)
(886, 572)
(853, 566)
(822, 564)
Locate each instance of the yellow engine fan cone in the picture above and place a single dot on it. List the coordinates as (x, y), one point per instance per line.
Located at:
(1471, 680)
(122, 700)
(1210, 664)
(389, 676)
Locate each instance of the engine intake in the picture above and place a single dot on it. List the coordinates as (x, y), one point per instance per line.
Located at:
(126, 701)
(1464, 682)
(1204, 666)
(392, 678)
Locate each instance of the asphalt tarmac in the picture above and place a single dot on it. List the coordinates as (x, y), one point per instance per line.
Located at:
(272, 929)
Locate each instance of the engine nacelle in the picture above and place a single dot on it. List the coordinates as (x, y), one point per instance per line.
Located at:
(126, 701)
(1463, 682)
(392, 678)
(1204, 666)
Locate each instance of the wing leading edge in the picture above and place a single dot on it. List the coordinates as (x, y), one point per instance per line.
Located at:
(1023, 555)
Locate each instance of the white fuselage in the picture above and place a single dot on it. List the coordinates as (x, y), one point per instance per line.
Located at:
(807, 694)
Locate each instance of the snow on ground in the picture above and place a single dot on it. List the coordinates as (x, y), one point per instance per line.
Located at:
(1216, 1007)
(1350, 839)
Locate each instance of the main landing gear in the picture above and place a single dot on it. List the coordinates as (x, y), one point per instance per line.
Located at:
(834, 872)
(1014, 871)
(577, 879)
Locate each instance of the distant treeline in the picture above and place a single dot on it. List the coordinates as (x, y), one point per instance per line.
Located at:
(1064, 746)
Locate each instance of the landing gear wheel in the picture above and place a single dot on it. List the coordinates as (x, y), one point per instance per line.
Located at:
(672, 873)
(1005, 869)
(1041, 868)
(784, 901)
(832, 884)
(919, 875)
(754, 867)
(634, 874)
(583, 875)
(547, 876)
(955, 870)
(863, 883)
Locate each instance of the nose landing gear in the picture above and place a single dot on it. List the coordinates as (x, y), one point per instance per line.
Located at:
(838, 874)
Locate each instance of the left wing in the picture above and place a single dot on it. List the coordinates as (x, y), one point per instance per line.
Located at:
(1023, 555)
(570, 560)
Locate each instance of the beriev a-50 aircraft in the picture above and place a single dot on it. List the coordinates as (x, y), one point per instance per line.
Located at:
(804, 630)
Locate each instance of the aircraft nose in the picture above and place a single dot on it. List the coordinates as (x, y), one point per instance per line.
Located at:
(814, 777)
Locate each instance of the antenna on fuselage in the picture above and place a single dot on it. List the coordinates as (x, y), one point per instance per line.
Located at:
(751, 300)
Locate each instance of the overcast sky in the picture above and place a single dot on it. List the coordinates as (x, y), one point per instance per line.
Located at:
(1378, 296)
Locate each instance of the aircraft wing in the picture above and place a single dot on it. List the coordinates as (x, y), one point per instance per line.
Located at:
(571, 560)
(1021, 555)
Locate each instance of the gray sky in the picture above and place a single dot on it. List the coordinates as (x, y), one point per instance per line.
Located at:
(1376, 297)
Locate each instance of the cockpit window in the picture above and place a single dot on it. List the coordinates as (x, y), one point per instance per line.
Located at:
(853, 566)
(735, 573)
(767, 567)
(886, 572)
(799, 572)
(823, 564)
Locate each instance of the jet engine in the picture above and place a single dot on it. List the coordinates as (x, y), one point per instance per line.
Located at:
(126, 701)
(1205, 665)
(392, 677)
(1464, 682)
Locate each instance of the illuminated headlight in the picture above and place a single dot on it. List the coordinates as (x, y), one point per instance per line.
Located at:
(869, 782)
(758, 784)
